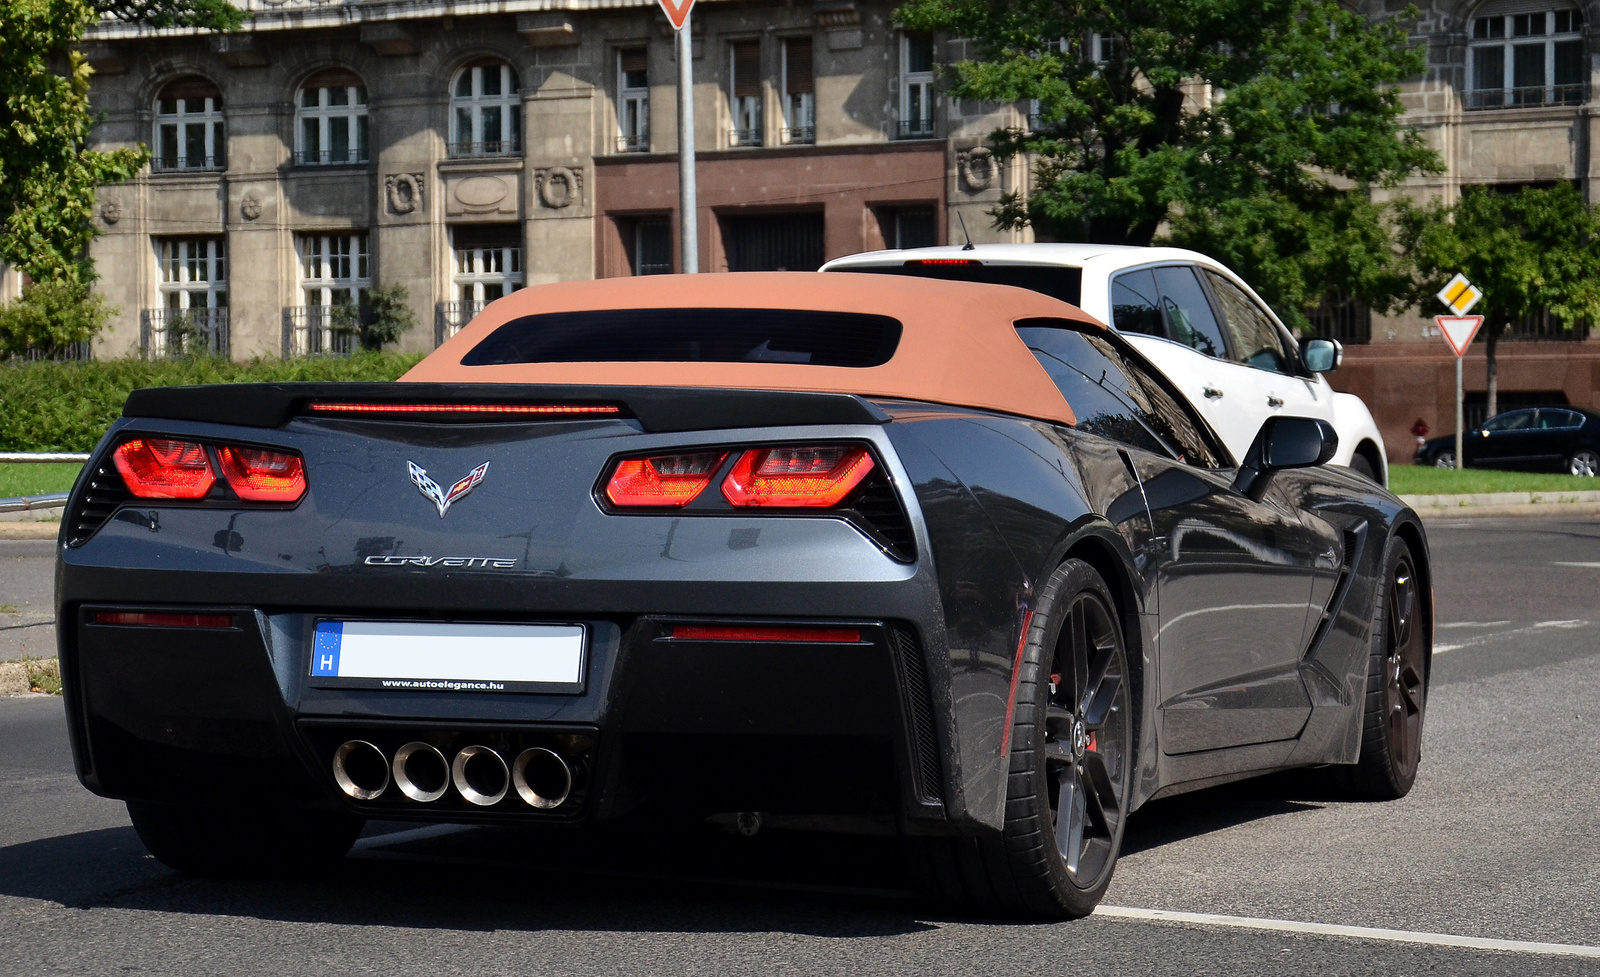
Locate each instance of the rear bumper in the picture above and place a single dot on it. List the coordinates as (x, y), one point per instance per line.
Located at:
(225, 715)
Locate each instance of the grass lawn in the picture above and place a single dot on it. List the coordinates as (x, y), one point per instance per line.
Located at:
(1427, 480)
(36, 479)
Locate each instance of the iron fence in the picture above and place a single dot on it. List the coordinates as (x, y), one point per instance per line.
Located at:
(494, 147)
(915, 129)
(798, 135)
(194, 164)
(323, 330)
(449, 317)
(330, 158)
(744, 137)
(1501, 98)
(171, 333)
(634, 143)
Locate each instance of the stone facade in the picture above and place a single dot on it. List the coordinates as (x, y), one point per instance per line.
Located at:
(275, 221)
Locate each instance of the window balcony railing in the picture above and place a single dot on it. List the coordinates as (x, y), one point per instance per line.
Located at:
(192, 164)
(72, 352)
(323, 330)
(497, 147)
(328, 158)
(798, 135)
(1509, 98)
(170, 333)
(449, 317)
(915, 129)
(745, 137)
(636, 143)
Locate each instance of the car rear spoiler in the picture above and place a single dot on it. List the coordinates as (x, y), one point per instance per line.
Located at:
(271, 405)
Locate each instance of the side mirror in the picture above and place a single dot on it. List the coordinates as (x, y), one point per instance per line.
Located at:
(1287, 442)
(1321, 355)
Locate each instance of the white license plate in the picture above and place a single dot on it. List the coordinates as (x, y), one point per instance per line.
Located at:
(449, 657)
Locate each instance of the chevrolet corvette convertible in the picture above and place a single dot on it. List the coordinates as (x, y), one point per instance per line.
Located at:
(946, 559)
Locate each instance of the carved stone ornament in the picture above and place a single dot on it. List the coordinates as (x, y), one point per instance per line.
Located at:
(250, 206)
(404, 191)
(977, 168)
(559, 186)
(111, 211)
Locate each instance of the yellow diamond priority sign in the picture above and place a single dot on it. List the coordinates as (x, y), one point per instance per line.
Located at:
(1460, 295)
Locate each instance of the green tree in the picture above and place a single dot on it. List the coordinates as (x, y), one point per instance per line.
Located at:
(49, 318)
(48, 175)
(389, 317)
(1528, 251)
(1252, 130)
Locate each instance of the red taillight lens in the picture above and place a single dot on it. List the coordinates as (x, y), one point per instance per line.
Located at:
(258, 475)
(747, 632)
(935, 262)
(154, 468)
(807, 476)
(664, 480)
(162, 620)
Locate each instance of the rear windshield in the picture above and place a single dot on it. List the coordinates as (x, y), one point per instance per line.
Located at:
(692, 336)
(1056, 281)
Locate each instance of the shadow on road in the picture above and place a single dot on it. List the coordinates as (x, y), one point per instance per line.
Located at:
(1188, 816)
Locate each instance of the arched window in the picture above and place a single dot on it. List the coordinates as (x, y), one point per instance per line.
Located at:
(189, 132)
(331, 120)
(485, 111)
(1526, 54)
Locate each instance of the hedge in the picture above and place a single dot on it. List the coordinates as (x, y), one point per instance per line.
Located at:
(47, 406)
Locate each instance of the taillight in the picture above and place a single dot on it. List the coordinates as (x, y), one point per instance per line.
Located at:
(142, 619)
(796, 477)
(662, 480)
(155, 468)
(259, 475)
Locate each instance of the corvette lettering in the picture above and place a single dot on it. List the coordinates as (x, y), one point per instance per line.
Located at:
(441, 497)
(488, 562)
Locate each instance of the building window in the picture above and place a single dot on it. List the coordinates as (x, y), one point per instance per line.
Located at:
(648, 241)
(488, 264)
(909, 227)
(1528, 59)
(773, 242)
(189, 133)
(633, 101)
(916, 86)
(193, 314)
(799, 92)
(331, 120)
(486, 111)
(335, 269)
(1105, 48)
(744, 92)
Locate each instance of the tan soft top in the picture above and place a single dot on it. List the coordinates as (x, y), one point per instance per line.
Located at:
(959, 345)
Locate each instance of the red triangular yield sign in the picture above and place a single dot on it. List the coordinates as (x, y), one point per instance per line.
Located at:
(1458, 329)
(677, 11)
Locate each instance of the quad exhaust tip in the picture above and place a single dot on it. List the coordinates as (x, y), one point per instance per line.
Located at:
(361, 770)
(480, 776)
(421, 772)
(542, 778)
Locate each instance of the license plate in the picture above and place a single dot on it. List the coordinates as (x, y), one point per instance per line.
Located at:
(449, 657)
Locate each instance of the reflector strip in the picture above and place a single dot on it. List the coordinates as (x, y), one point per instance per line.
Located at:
(163, 620)
(466, 408)
(747, 632)
(1016, 673)
(943, 261)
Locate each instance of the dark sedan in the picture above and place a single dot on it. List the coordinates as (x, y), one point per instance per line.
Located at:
(1532, 438)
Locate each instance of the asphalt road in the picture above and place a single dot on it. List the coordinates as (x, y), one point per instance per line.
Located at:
(1498, 841)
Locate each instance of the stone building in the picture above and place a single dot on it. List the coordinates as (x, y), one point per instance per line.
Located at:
(464, 149)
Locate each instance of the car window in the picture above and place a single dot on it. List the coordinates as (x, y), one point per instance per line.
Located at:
(1135, 303)
(1551, 419)
(1112, 394)
(1256, 339)
(1190, 320)
(1516, 420)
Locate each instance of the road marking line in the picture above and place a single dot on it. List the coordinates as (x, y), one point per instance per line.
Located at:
(1479, 639)
(1474, 624)
(1352, 932)
(410, 834)
(1561, 563)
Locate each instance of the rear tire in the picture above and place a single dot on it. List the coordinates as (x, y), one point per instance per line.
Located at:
(1584, 461)
(232, 842)
(1071, 765)
(1361, 466)
(1397, 688)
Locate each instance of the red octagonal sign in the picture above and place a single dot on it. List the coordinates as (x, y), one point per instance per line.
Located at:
(677, 12)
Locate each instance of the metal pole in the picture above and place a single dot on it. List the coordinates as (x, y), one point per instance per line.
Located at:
(1461, 461)
(688, 214)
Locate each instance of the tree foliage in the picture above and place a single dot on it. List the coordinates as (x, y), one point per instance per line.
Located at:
(48, 175)
(49, 318)
(1247, 129)
(1528, 251)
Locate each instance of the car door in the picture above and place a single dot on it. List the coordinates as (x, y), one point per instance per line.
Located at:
(1265, 365)
(1554, 435)
(1235, 573)
(1505, 440)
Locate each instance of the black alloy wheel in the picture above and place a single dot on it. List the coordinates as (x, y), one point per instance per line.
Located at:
(1070, 767)
(1397, 686)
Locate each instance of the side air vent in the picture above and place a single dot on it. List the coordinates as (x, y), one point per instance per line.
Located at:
(1352, 553)
(105, 492)
(919, 711)
(877, 511)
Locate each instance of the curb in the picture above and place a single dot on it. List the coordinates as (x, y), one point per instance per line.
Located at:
(30, 530)
(1505, 504)
(14, 675)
